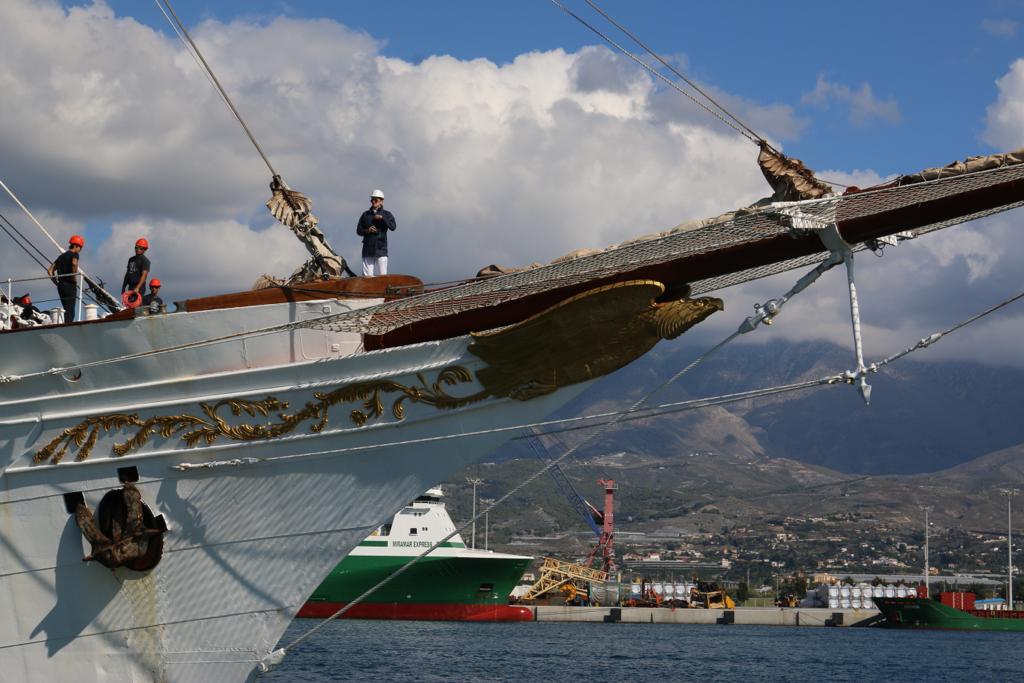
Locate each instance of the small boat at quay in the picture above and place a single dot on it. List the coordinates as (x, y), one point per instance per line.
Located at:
(948, 611)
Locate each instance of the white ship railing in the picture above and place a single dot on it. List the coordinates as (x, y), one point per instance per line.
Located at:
(56, 320)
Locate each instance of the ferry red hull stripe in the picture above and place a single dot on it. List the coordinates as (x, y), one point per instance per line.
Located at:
(421, 612)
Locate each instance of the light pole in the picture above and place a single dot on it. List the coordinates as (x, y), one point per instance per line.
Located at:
(1009, 494)
(486, 502)
(927, 564)
(474, 481)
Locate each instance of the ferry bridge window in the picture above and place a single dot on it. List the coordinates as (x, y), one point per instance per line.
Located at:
(385, 530)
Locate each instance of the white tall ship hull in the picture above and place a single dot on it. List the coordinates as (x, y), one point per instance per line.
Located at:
(254, 524)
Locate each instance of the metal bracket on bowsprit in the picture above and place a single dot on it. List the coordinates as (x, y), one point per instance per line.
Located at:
(834, 242)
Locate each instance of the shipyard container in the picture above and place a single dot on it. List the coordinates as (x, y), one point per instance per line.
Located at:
(607, 593)
(964, 601)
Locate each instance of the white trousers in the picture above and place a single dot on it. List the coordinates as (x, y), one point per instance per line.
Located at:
(375, 266)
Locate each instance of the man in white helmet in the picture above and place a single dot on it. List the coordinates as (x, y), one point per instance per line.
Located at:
(373, 226)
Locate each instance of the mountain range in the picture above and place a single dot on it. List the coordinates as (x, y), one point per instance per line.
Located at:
(923, 417)
(814, 462)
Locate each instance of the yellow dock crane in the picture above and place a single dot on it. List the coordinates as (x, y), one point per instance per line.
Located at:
(563, 576)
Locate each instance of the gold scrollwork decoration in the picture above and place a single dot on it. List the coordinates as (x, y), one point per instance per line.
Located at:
(581, 338)
(211, 425)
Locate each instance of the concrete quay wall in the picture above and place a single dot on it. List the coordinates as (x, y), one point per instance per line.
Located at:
(749, 616)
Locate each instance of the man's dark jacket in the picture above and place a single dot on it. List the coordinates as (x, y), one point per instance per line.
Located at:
(375, 245)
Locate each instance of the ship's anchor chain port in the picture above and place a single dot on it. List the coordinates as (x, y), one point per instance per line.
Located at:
(123, 532)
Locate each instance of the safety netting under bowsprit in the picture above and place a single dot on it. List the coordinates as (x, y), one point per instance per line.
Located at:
(688, 240)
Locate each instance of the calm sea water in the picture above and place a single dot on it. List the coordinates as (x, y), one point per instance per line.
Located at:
(442, 651)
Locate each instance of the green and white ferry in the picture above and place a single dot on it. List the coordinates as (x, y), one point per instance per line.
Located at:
(453, 583)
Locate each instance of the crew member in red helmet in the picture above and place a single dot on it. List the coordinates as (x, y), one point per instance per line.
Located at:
(63, 272)
(29, 313)
(153, 299)
(134, 284)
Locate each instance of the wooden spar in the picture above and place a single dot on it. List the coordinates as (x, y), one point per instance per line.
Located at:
(713, 263)
(385, 287)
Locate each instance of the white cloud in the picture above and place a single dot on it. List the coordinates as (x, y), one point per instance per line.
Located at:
(856, 178)
(1005, 118)
(1000, 28)
(207, 257)
(110, 128)
(110, 121)
(863, 106)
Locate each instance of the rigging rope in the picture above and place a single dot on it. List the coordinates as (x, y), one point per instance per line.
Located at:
(749, 324)
(24, 239)
(671, 68)
(275, 657)
(754, 136)
(40, 259)
(29, 213)
(931, 339)
(191, 52)
(657, 74)
(213, 77)
(93, 285)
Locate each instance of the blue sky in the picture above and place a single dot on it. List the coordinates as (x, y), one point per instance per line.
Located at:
(938, 61)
